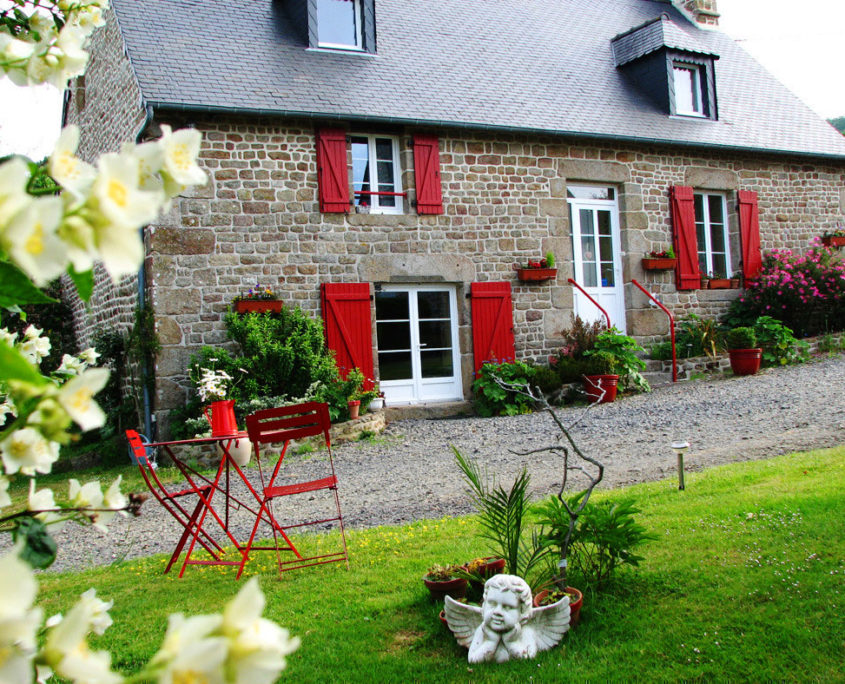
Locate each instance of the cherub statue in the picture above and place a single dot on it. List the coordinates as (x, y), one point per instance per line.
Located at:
(507, 626)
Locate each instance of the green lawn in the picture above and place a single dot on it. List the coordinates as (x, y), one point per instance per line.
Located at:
(744, 583)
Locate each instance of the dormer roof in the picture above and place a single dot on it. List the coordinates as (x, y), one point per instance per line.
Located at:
(657, 34)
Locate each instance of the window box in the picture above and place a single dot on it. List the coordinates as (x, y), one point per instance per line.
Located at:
(833, 240)
(258, 305)
(536, 274)
(650, 264)
(719, 283)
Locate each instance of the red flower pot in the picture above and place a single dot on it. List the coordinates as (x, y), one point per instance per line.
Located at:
(576, 600)
(720, 283)
(222, 418)
(834, 241)
(745, 361)
(258, 305)
(456, 588)
(354, 406)
(658, 264)
(535, 274)
(601, 388)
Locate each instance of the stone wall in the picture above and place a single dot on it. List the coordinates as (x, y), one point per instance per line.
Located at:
(106, 104)
(505, 200)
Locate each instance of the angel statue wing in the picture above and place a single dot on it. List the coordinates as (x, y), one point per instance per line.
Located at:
(463, 620)
(550, 623)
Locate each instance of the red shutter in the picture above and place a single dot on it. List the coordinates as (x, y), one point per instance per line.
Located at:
(349, 332)
(332, 176)
(687, 275)
(427, 174)
(749, 233)
(492, 323)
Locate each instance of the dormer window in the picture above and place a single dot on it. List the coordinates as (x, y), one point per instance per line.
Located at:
(687, 81)
(339, 24)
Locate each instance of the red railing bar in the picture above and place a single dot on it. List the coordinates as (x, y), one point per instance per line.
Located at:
(671, 327)
(374, 192)
(598, 306)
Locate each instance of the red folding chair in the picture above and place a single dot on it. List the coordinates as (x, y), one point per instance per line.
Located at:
(170, 501)
(281, 425)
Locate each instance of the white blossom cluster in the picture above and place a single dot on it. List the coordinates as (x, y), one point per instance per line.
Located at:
(100, 210)
(213, 384)
(47, 54)
(236, 646)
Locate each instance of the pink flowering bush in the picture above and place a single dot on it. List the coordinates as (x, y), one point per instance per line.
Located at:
(804, 291)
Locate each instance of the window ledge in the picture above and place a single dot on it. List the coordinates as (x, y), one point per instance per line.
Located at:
(358, 52)
(692, 117)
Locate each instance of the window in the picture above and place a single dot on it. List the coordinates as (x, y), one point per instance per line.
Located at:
(339, 24)
(711, 229)
(688, 100)
(376, 182)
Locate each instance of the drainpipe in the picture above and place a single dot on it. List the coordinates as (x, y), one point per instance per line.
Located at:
(142, 303)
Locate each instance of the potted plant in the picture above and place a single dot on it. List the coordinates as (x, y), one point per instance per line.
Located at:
(377, 404)
(213, 387)
(715, 283)
(538, 269)
(660, 261)
(479, 570)
(705, 281)
(736, 280)
(445, 580)
(600, 382)
(354, 406)
(613, 354)
(258, 299)
(834, 238)
(744, 353)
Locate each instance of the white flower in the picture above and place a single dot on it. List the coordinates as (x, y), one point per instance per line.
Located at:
(5, 499)
(89, 495)
(77, 397)
(19, 621)
(118, 194)
(66, 168)
(66, 650)
(27, 450)
(14, 175)
(191, 651)
(31, 240)
(70, 365)
(78, 235)
(8, 337)
(89, 356)
(42, 500)
(180, 155)
(32, 332)
(7, 408)
(257, 646)
(113, 499)
(150, 157)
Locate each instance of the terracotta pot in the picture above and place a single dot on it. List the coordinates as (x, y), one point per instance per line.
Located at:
(735, 283)
(222, 418)
(576, 600)
(354, 408)
(658, 264)
(745, 361)
(535, 274)
(602, 387)
(492, 566)
(834, 241)
(719, 283)
(456, 588)
(258, 305)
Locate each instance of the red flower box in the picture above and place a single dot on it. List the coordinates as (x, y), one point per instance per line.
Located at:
(720, 284)
(535, 274)
(834, 241)
(258, 305)
(655, 264)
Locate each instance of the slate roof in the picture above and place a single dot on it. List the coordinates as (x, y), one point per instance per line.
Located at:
(654, 35)
(531, 65)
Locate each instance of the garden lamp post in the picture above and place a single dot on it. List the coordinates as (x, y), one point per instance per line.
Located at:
(679, 447)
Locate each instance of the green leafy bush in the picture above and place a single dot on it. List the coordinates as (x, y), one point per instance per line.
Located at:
(625, 362)
(779, 345)
(742, 337)
(694, 336)
(492, 398)
(546, 379)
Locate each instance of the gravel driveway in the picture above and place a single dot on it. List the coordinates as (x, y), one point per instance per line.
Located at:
(409, 472)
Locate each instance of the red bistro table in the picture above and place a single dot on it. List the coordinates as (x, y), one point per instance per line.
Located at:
(200, 484)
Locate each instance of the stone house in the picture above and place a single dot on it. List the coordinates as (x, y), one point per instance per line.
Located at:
(386, 164)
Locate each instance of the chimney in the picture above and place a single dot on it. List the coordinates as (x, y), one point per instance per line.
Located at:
(703, 11)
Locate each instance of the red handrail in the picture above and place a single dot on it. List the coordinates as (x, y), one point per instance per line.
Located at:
(671, 327)
(598, 306)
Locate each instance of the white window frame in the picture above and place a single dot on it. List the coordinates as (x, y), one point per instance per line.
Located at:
(359, 40)
(707, 248)
(375, 201)
(697, 91)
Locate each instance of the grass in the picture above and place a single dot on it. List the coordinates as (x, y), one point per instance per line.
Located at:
(744, 583)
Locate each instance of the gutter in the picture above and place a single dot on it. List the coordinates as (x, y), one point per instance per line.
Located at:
(142, 300)
(443, 123)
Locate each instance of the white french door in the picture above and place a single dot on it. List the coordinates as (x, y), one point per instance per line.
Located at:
(417, 334)
(594, 218)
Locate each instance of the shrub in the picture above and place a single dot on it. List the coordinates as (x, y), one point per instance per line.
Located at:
(804, 291)
(578, 339)
(779, 345)
(626, 364)
(492, 399)
(546, 379)
(741, 338)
